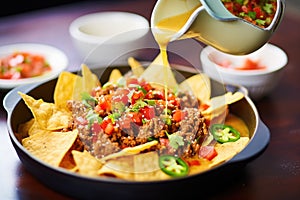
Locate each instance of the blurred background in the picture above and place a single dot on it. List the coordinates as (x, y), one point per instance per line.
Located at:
(19, 6)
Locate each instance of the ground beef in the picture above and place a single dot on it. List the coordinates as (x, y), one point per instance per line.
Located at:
(153, 128)
(188, 100)
(191, 129)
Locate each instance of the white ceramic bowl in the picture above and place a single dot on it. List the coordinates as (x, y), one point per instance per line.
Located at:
(104, 38)
(55, 57)
(259, 82)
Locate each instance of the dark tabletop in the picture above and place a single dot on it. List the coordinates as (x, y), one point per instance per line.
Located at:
(275, 174)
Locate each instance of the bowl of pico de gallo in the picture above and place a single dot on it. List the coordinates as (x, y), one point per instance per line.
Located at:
(25, 63)
(259, 72)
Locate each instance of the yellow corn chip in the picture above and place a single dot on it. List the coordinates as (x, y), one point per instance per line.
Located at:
(158, 73)
(130, 150)
(90, 80)
(227, 150)
(146, 167)
(64, 89)
(121, 167)
(199, 84)
(47, 115)
(36, 128)
(136, 67)
(115, 75)
(86, 163)
(50, 147)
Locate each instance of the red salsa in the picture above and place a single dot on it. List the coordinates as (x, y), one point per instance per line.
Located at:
(20, 65)
(258, 12)
(249, 64)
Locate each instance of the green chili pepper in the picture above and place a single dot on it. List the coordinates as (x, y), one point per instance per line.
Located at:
(173, 166)
(224, 133)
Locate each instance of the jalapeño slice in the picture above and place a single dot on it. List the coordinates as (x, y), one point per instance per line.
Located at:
(173, 166)
(224, 133)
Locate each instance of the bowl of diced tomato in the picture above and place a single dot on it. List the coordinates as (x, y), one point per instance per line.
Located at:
(259, 72)
(25, 63)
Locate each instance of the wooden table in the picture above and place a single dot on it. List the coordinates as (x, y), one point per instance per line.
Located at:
(273, 175)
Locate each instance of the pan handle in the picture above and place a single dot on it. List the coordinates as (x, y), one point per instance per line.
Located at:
(258, 144)
(12, 97)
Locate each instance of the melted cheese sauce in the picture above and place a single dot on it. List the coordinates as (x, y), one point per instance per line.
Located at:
(168, 28)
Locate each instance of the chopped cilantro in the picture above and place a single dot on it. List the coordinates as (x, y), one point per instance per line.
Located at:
(268, 8)
(93, 117)
(88, 100)
(252, 15)
(260, 22)
(139, 104)
(114, 117)
(175, 140)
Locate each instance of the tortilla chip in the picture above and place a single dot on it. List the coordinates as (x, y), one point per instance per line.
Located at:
(90, 80)
(64, 89)
(36, 128)
(227, 150)
(86, 163)
(136, 67)
(115, 75)
(146, 167)
(199, 84)
(131, 150)
(158, 73)
(121, 167)
(50, 147)
(47, 115)
(218, 106)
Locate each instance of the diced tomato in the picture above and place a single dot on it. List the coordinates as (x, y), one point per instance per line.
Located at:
(164, 141)
(104, 103)
(174, 102)
(156, 94)
(132, 80)
(136, 118)
(207, 152)
(245, 9)
(107, 126)
(259, 13)
(193, 162)
(148, 112)
(178, 115)
(146, 86)
(136, 96)
(229, 6)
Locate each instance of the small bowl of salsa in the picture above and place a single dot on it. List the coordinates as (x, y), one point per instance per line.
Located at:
(260, 72)
(26, 63)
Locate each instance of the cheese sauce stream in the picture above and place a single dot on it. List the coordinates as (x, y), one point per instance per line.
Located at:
(169, 27)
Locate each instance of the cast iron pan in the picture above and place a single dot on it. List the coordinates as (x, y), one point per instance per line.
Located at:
(77, 186)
